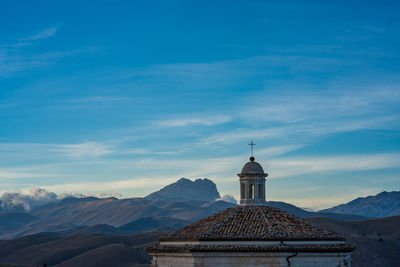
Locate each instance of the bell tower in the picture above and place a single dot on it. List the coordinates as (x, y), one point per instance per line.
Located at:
(252, 183)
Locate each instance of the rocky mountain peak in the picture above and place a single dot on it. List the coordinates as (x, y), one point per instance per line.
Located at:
(185, 189)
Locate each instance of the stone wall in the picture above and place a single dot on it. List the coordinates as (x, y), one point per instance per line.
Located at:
(251, 259)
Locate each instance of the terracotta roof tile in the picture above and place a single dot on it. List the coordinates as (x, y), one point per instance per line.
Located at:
(252, 223)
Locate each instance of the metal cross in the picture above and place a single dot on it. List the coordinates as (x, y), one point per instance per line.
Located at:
(251, 144)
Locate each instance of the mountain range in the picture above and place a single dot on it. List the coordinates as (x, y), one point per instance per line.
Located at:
(173, 206)
(112, 231)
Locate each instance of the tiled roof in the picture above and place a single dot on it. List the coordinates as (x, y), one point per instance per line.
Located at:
(252, 223)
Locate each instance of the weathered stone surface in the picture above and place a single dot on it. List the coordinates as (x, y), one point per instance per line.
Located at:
(248, 259)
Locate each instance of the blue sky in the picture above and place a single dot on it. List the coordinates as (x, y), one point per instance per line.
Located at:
(128, 96)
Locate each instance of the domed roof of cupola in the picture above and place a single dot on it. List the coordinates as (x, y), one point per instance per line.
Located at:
(252, 167)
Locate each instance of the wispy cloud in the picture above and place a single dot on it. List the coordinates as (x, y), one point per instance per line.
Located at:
(305, 117)
(277, 166)
(44, 34)
(142, 151)
(100, 99)
(305, 133)
(205, 121)
(18, 61)
(338, 103)
(233, 136)
(79, 150)
(15, 57)
(274, 151)
(93, 149)
(289, 166)
(6, 174)
(292, 111)
(118, 185)
(59, 160)
(21, 173)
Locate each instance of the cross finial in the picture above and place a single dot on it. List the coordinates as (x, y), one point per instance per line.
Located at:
(251, 144)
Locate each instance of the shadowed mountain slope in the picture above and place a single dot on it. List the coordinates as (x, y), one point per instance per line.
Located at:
(14, 220)
(153, 224)
(141, 225)
(40, 249)
(71, 214)
(382, 205)
(8, 247)
(98, 229)
(116, 255)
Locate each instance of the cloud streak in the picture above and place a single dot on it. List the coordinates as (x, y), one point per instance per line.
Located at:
(292, 166)
(15, 57)
(92, 187)
(203, 121)
(44, 34)
(88, 149)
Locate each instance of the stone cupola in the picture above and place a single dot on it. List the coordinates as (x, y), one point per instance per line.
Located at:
(252, 184)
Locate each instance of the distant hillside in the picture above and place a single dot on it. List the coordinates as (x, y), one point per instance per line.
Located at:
(147, 224)
(153, 224)
(116, 255)
(107, 216)
(382, 205)
(13, 220)
(76, 214)
(292, 209)
(98, 229)
(185, 189)
(377, 240)
(78, 250)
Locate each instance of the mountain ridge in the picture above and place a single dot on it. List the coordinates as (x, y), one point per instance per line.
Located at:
(107, 215)
(383, 204)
